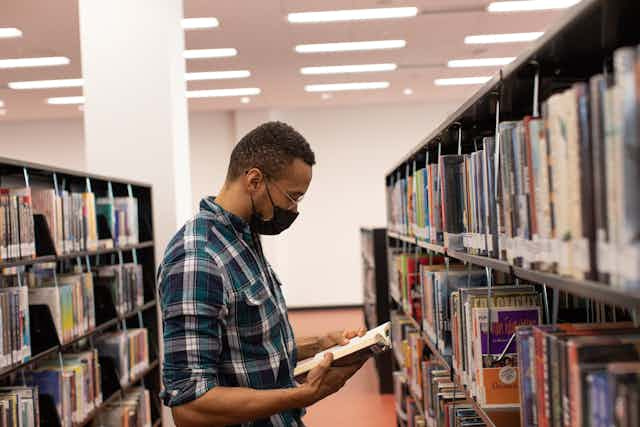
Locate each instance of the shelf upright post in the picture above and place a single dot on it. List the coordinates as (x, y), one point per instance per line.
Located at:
(134, 252)
(87, 261)
(536, 90)
(26, 177)
(459, 137)
(489, 304)
(556, 306)
(545, 299)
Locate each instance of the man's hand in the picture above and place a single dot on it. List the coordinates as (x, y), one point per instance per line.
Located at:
(340, 337)
(325, 379)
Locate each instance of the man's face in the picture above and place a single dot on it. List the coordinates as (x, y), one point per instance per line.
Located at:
(284, 191)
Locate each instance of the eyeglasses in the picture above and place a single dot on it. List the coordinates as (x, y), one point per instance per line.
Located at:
(293, 200)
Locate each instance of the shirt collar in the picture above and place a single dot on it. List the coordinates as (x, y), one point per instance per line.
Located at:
(240, 225)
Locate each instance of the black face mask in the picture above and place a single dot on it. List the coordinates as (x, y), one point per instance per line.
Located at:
(281, 220)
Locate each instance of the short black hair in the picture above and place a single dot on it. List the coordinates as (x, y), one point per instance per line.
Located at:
(270, 147)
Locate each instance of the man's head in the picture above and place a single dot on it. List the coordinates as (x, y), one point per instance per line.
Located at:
(271, 166)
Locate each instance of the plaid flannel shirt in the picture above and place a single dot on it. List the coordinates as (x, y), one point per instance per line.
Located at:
(224, 315)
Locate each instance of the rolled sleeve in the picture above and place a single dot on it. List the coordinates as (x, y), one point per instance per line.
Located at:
(193, 313)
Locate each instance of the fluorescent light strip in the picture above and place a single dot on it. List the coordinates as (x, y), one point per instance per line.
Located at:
(200, 23)
(479, 62)
(461, 81)
(502, 38)
(62, 83)
(335, 87)
(351, 15)
(341, 69)
(34, 62)
(66, 100)
(9, 33)
(46, 84)
(216, 93)
(209, 53)
(217, 75)
(530, 5)
(350, 46)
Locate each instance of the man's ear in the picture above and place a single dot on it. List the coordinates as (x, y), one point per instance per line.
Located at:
(254, 178)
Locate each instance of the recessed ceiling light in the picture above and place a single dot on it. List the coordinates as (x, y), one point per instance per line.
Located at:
(34, 62)
(210, 53)
(3, 112)
(47, 84)
(479, 62)
(217, 75)
(408, 91)
(1, 103)
(462, 81)
(9, 33)
(502, 38)
(66, 100)
(350, 46)
(529, 5)
(200, 23)
(339, 69)
(352, 15)
(326, 96)
(334, 87)
(215, 93)
(245, 100)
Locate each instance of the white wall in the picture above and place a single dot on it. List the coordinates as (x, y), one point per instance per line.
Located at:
(212, 139)
(318, 258)
(52, 142)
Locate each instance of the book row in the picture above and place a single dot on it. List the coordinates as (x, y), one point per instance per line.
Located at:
(76, 221)
(73, 384)
(469, 324)
(19, 407)
(445, 403)
(69, 297)
(556, 193)
(134, 410)
(580, 374)
(130, 351)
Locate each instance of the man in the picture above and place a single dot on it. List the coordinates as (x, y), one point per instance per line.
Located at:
(229, 350)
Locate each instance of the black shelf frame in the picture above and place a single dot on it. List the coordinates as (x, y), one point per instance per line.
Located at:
(374, 258)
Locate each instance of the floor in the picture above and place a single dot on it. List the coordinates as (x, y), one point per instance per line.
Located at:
(358, 403)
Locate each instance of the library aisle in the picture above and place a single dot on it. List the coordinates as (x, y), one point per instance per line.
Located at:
(358, 403)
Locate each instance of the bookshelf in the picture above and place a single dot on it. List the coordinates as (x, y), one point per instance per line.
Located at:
(584, 43)
(376, 295)
(45, 343)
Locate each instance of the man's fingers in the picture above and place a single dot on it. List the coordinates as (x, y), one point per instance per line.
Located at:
(361, 332)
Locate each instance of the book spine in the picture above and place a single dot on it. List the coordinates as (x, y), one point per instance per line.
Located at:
(628, 169)
(597, 87)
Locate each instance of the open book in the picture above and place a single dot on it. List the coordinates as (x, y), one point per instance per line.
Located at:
(374, 341)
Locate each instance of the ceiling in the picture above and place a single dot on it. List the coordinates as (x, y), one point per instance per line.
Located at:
(265, 41)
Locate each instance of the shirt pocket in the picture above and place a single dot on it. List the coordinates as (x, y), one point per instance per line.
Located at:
(259, 320)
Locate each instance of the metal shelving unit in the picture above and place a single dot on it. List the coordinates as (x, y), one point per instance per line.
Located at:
(44, 338)
(578, 46)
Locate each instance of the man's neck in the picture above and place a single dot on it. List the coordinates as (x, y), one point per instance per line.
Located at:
(229, 200)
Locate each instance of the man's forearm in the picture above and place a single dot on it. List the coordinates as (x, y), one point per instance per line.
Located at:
(307, 347)
(223, 406)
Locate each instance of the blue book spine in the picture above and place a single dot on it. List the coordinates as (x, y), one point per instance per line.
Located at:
(528, 412)
(49, 383)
